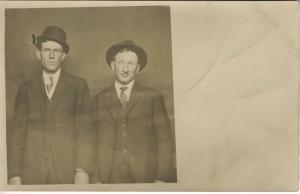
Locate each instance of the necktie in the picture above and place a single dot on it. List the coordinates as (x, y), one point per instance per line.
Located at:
(123, 97)
(50, 84)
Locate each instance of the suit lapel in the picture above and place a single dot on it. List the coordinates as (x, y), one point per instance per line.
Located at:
(60, 89)
(39, 88)
(134, 97)
(112, 102)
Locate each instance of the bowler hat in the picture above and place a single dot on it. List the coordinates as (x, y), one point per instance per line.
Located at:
(55, 34)
(130, 45)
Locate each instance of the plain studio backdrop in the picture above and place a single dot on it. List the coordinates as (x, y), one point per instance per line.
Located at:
(235, 68)
(90, 32)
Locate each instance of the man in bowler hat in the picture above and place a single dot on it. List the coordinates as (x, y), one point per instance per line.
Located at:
(52, 140)
(134, 137)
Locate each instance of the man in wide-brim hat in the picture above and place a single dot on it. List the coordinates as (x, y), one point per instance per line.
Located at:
(134, 137)
(52, 140)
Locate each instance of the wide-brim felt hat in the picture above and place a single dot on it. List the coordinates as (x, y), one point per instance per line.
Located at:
(55, 34)
(130, 45)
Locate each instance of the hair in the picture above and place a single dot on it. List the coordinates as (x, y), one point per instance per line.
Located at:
(39, 44)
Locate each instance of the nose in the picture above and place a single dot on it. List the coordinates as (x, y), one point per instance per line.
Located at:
(51, 55)
(125, 68)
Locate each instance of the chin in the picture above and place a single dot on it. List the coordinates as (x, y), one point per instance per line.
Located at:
(124, 81)
(51, 70)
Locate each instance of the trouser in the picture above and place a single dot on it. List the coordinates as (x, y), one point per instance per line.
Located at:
(47, 173)
(121, 173)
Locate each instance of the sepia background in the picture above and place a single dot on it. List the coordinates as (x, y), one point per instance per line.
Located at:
(235, 68)
(90, 32)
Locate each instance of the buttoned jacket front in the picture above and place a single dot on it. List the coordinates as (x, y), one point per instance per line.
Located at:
(148, 134)
(68, 122)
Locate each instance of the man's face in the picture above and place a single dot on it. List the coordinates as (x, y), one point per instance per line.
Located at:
(51, 56)
(125, 66)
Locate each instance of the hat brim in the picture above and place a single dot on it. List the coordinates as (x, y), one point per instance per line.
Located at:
(65, 46)
(113, 50)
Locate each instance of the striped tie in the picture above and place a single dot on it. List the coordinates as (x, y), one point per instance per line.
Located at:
(50, 84)
(123, 97)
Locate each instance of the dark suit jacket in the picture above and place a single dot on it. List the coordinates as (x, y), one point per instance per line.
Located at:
(149, 143)
(69, 122)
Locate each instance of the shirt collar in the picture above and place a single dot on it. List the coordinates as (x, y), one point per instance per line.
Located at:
(55, 75)
(129, 86)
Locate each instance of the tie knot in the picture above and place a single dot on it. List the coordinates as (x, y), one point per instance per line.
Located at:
(51, 78)
(123, 89)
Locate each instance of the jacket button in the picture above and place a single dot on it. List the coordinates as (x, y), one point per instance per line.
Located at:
(124, 134)
(125, 151)
(123, 125)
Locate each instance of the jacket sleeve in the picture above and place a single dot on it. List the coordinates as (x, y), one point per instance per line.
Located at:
(165, 145)
(16, 141)
(85, 149)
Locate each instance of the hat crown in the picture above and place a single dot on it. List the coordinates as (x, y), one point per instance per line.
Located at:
(52, 33)
(55, 33)
(128, 42)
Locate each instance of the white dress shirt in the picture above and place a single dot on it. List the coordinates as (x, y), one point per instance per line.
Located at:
(46, 77)
(127, 92)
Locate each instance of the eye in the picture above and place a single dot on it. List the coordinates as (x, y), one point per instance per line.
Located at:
(120, 62)
(58, 50)
(45, 49)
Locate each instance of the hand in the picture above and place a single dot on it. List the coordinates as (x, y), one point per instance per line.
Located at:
(158, 181)
(81, 177)
(16, 180)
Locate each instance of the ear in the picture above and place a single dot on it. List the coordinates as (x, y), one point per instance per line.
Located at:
(138, 68)
(112, 66)
(63, 56)
(38, 54)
